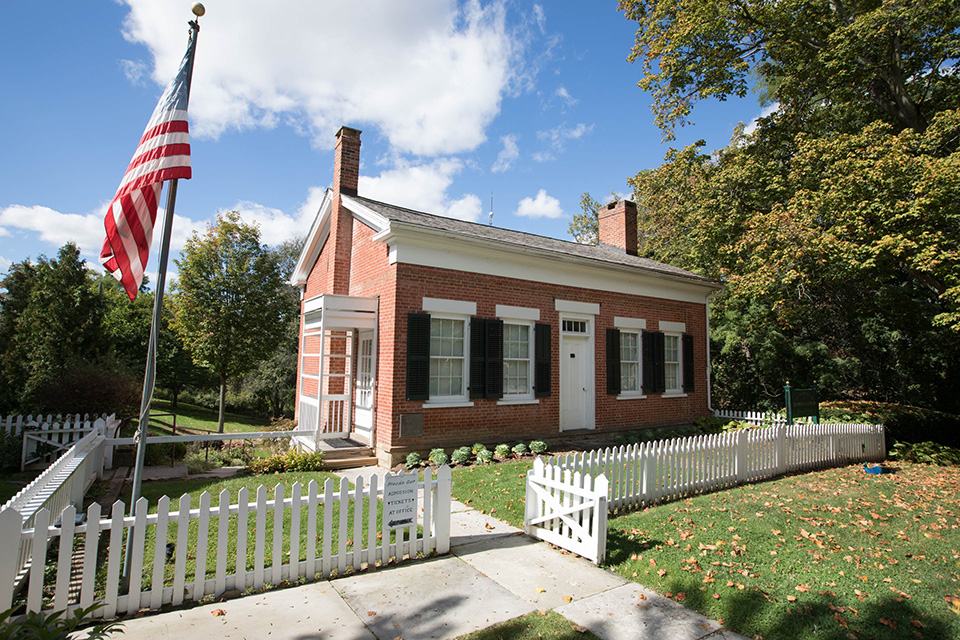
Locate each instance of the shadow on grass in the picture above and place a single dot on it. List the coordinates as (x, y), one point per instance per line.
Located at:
(621, 545)
(752, 612)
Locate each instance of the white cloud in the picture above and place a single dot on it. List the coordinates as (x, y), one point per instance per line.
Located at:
(275, 225)
(540, 17)
(134, 70)
(557, 138)
(4, 264)
(564, 95)
(507, 155)
(422, 187)
(428, 74)
(542, 206)
(766, 111)
(86, 231)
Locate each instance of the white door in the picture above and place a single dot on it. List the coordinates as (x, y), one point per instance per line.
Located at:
(363, 396)
(574, 383)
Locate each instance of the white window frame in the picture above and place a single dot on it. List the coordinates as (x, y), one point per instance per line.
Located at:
(638, 392)
(678, 390)
(634, 326)
(511, 398)
(462, 398)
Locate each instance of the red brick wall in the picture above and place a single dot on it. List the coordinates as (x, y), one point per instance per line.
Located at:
(489, 422)
(401, 289)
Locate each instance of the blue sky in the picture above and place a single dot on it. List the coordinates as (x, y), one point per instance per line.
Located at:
(533, 102)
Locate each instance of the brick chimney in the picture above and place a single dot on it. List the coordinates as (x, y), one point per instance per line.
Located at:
(346, 163)
(346, 171)
(618, 226)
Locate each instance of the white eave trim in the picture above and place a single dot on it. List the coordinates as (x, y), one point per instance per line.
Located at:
(365, 214)
(316, 237)
(415, 244)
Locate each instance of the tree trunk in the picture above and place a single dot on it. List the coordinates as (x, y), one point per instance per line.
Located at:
(223, 401)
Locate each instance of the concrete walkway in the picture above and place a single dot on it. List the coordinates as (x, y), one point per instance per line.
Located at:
(493, 573)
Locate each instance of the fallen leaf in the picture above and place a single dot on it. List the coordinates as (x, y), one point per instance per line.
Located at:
(371, 613)
(540, 590)
(567, 598)
(218, 612)
(641, 597)
(887, 622)
(579, 629)
(662, 572)
(917, 624)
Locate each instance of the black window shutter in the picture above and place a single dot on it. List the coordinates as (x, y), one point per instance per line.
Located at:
(494, 358)
(687, 348)
(418, 356)
(660, 362)
(478, 357)
(647, 355)
(654, 371)
(541, 367)
(613, 361)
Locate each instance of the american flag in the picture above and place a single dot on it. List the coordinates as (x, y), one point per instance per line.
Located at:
(163, 154)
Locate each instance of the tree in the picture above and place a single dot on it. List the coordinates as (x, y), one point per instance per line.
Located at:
(895, 60)
(585, 227)
(229, 305)
(51, 319)
(272, 385)
(833, 224)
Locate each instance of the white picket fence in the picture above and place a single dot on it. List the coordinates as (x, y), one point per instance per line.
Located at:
(62, 483)
(568, 509)
(203, 560)
(653, 472)
(759, 418)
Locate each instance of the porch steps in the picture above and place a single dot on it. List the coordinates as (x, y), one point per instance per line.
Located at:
(346, 454)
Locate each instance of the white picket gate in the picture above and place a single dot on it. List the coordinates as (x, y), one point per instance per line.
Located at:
(568, 509)
(161, 574)
(654, 472)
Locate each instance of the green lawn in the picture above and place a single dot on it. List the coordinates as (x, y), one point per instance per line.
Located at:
(818, 555)
(191, 416)
(533, 626)
(495, 489)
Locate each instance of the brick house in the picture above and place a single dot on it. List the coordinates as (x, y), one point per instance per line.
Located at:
(421, 331)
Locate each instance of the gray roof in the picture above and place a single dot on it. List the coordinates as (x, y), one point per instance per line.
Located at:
(599, 253)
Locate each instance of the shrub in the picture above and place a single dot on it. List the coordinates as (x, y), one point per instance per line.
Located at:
(502, 451)
(236, 453)
(11, 449)
(538, 447)
(461, 455)
(904, 423)
(414, 460)
(928, 452)
(519, 449)
(292, 460)
(439, 457)
(86, 387)
(619, 439)
(478, 447)
(55, 626)
(196, 463)
(484, 456)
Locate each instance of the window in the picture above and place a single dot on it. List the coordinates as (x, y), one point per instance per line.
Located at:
(671, 363)
(447, 358)
(574, 326)
(629, 362)
(517, 361)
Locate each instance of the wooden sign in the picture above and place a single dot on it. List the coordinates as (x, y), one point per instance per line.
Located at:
(400, 500)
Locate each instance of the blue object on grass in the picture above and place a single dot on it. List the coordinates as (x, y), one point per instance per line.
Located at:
(872, 469)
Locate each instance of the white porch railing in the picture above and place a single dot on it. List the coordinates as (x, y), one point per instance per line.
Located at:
(567, 509)
(653, 472)
(63, 483)
(204, 560)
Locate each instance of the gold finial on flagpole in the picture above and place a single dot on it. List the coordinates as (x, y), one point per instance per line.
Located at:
(197, 9)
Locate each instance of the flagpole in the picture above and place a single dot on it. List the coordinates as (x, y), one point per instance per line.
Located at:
(149, 376)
